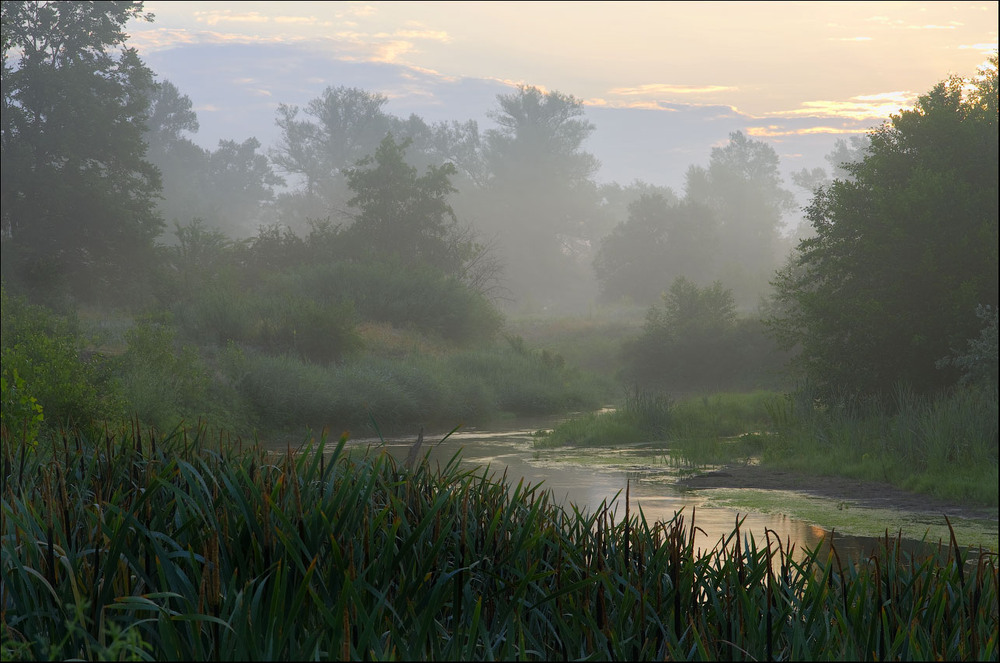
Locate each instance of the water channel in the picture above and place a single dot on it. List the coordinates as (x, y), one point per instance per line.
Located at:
(588, 478)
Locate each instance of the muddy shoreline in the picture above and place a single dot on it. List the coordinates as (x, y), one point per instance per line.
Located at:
(864, 494)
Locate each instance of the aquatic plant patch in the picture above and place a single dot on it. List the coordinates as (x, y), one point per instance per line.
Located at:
(138, 546)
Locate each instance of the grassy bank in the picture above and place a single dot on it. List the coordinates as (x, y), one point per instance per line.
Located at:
(99, 366)
(944, 446)
(128, 546)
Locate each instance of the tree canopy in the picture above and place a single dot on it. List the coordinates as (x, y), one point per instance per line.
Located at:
(401, 212)
(658, 243)
(78, 196)
(905, 249)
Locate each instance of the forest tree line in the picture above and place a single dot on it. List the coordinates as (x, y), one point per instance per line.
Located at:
(107, 200)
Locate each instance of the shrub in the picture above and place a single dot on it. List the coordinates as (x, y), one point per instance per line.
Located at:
(418, 296)
(44, 365)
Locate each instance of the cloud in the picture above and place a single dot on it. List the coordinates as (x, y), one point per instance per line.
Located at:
(598, 102)
(427, 35)
(776, 131)
(982, 47)
(850, 39)
(668, 89)
(161, 39)
(864, 107)
(301, 20)
(216, 16)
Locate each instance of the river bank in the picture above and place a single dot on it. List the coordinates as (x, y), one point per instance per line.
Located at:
(846, 504)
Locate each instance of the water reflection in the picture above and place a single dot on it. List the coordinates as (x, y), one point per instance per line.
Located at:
(592, 478)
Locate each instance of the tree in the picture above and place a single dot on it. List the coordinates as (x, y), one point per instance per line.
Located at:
(78, 196)
(695, 341)
(402, 213)
(229, 189)
(540, 197)
(321, 142)
(743, 187)
(905, 250)
(844, 152)
(659, 242)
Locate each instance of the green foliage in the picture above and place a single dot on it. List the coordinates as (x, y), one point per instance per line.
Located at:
(21, 410)
(978, 361)
(277, 316)
(657, 244)
(405, 392)
(230, 552)
(904, 251)
(944, 445)
(400, 213)
(78, 197)
(691, 427)
(164, 383)
(645, 417)
(44, 370)
(401, 294)
(694, 341)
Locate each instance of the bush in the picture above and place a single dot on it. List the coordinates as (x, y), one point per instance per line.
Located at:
(44, 366)
(417, 296)
(275, 319)
(695, 342)
(166, 383)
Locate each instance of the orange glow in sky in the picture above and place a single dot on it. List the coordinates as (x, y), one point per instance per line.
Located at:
(856, 60)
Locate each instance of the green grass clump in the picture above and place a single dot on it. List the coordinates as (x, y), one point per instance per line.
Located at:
(694, 426)
(644, 417)
(944, 446)
(148, 548)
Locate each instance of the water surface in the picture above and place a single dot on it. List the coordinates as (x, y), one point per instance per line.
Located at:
(593, 478)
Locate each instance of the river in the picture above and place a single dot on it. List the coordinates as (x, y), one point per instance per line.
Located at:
(590, 477)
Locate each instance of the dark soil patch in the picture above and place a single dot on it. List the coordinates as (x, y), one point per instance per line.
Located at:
(871, 494)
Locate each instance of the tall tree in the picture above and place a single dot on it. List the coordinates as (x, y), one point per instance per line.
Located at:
(401, 212)
(180, 161)
(321, 142)
(659, 242)
(743, 186)
(540, 193)
(905, 249)
(229, 189)
(845, 151)
(78, 196)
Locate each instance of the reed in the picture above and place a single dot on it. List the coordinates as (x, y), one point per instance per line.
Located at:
(148, 547)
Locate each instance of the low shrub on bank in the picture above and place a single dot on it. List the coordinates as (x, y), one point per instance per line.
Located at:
(149, 548)
(404, 392)
(47, 375)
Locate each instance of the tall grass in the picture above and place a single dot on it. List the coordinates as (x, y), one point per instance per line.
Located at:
(944, 446)
(136, 546)
(645, 416)
(405, 392)
(692, 426)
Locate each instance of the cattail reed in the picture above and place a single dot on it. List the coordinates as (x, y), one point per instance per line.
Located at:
(228, 552)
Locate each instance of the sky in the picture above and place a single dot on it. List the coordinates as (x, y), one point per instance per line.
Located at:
(663, 82)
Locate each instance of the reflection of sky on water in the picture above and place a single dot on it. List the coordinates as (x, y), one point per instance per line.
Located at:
(588, 484)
